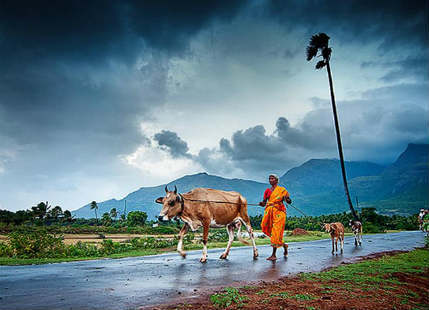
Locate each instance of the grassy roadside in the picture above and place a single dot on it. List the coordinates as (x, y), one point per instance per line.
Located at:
(400, 281)
(211, 245)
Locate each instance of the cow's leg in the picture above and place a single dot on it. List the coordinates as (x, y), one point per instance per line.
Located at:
(230, 230)
(336, 244)
(332, 245)
(356, 238)
(342, 244)
(205, 239)
(182, 233)
(252, 237)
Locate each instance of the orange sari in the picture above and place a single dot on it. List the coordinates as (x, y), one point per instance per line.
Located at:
(273, 222)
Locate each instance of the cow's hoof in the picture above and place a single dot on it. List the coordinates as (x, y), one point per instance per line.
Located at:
(183, 255)
(255, 255)
(223, 256)
(203, 260)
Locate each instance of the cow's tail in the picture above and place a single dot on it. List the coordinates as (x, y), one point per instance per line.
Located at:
(244, 219)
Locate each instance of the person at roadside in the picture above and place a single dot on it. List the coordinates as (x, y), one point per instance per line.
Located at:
(273, 222)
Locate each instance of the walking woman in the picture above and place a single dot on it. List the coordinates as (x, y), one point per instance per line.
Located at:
(273, 222)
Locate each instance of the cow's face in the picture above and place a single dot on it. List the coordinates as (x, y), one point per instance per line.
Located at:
(171, 205)
(327, 227)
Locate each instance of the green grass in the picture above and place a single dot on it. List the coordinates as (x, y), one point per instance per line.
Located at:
(373, 273)
(231, 295)
(286, 295)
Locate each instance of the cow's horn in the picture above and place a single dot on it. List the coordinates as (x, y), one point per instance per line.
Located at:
(166, 189)
(175, 189)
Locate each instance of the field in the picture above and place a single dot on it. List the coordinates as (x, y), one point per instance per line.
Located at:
(383, 281)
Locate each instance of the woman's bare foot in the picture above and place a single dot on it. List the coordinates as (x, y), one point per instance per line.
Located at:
(285, 246)
(272, 258)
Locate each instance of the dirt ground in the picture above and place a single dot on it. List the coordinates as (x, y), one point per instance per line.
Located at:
(296, 293)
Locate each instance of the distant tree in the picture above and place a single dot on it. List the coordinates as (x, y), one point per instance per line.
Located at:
(106, 219)
(94, 207)
(41, 210)
(114, 213)
(56, 212)
(123, 217)
(136, 218)
(68, 216)
(319, 42)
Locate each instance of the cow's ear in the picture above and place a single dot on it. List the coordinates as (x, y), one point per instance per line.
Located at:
(159, 199)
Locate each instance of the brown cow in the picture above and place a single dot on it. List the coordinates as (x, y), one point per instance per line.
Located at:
(207, 208)
(357, 231)
(336, 230)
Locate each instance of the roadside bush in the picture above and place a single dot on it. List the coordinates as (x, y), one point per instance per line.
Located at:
(219, 236)
(5, 250)
(82, 249)
(36, 244)
(369, 227)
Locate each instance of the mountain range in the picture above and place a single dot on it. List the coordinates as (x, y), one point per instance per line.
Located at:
(316, 187)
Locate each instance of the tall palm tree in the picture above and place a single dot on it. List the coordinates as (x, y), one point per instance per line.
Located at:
(94, 207)
(319, 42)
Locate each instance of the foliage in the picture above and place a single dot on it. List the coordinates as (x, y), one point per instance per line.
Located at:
(36, 244)
(41, 244)
(106, 220)
(5, 250)
(136, 218)
(224, 300)
(219, 235)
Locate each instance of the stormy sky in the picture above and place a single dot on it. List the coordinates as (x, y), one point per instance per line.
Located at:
(99, 98)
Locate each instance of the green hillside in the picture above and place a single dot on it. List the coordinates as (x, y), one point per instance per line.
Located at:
(316, 187)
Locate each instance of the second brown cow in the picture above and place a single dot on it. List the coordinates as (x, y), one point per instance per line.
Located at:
(336, 230)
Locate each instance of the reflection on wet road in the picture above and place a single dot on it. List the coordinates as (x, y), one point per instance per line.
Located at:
(132, 282)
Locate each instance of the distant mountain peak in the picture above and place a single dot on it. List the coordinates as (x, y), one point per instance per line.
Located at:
(414, 153)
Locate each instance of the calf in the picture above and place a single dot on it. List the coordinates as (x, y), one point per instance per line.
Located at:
(357, 231)
(336, 230)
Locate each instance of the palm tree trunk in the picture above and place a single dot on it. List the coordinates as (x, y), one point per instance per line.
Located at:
(340, 147)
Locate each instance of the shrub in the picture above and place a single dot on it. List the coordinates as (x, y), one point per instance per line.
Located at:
(219, 236)
(5, 250)
(36, 244)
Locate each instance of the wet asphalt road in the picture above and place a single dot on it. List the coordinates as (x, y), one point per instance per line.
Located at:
(130, 283)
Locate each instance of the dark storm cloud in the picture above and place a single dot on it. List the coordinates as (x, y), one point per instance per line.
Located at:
(393, 23)
(95, 29)
(171, 142)
(410, 67)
